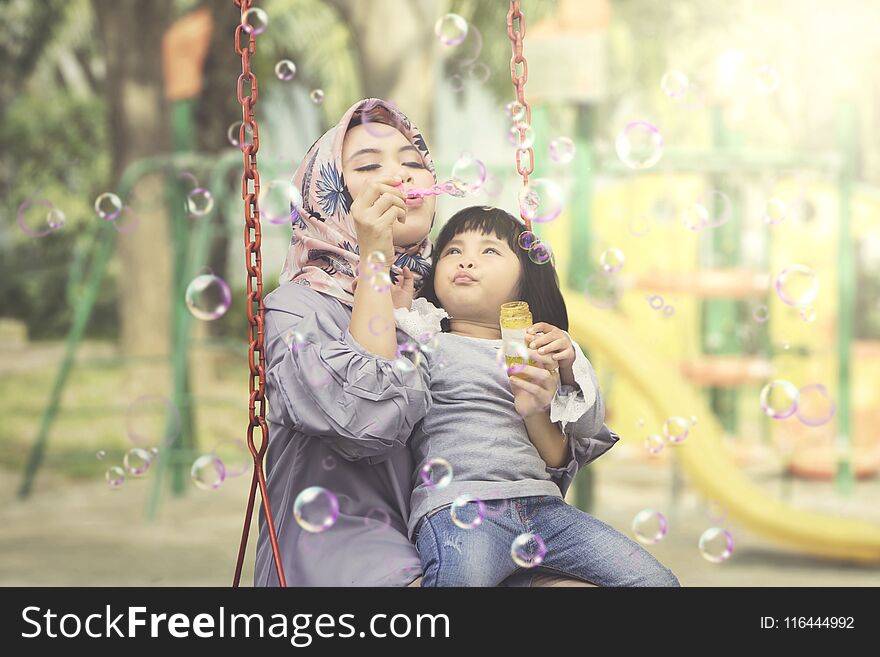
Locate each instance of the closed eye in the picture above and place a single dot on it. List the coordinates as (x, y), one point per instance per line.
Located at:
(412, 165)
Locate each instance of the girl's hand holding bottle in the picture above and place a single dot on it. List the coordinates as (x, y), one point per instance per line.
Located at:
(553, 342)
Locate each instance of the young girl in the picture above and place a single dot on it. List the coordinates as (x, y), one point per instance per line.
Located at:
(499, 432)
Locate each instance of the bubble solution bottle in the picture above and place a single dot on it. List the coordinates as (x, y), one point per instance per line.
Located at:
(515, 319)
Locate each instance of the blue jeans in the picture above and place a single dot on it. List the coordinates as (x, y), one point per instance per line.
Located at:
(578, 545)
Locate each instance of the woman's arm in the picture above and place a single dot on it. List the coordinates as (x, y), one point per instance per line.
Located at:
(375, 211)
(323, 383)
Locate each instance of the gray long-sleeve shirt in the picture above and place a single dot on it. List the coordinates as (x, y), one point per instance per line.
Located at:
(473, 424)
(340, 417)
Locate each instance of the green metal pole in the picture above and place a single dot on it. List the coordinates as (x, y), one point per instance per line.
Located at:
(846, 131)
(106, 236)
(173, 454)
(720, 316)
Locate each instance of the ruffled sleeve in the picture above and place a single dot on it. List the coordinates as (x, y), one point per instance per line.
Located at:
(422, 319)
(580, 411)
(323, 383)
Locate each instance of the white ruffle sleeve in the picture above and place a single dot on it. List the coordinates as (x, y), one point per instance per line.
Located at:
(423, 317)
(571, 401)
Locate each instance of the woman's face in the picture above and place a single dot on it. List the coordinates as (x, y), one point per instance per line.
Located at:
(377, 149)
(494, 272)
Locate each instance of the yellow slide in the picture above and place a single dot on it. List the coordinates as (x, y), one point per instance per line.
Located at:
(706, 459)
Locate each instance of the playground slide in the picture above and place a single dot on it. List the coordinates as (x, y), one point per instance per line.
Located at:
(705, 458)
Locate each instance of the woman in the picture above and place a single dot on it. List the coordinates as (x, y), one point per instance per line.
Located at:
(340, 410)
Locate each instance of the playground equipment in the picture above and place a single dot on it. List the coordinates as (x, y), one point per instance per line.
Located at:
(707, 460)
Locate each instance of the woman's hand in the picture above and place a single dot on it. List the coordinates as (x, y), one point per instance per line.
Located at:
(378, 206)
(403, 290)
(533, 389)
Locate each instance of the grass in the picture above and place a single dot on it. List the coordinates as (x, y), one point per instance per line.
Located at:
(95, 402)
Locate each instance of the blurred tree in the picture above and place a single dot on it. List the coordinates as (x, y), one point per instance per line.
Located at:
(137, 114)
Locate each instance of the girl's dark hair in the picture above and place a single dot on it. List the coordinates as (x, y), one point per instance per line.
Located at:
(538, 284)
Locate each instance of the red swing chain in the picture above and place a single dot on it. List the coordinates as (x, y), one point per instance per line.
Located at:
(519, 82)
(250, 192)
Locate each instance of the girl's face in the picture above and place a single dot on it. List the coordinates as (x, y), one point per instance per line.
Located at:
(382, 150)
(474, 275)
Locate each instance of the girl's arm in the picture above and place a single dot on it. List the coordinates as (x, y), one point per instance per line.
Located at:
(579, 408)
(548, 439)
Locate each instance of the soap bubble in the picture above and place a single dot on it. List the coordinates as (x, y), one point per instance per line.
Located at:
(654, 443)
(524, 141)
(779, 399)
(317, 96)
(376, 261)
(137, 461)
(285, 70)
(612, 260)
(280, 201)
(199, 202)
(526, 239)
(37, 218)
(676, 429)
(467, 511)
(649, 526)
(761, 313)
(101, 454)
(512, 357)
(469, 172)
(716, 545)
(515, 111)
(815, 406)
(381, 281)
(540, 253)
(716, 512)
(808, 314)
(775, 211)
(528, 550)
(479, 71)
(328, 462)
(695, 217)
(655, 301)
(208, 472)
(639, 145)
(208, 297)
(151, 420)
(797, 286)
(377, 519)
(235, 455)
(55, 218)
(562, 150)
(114, 477)
(451, 29)
(108, 206)
(316, 509)
(254, 21)
(233, 135)
(674, 84)
(436, 473)
(541, 200)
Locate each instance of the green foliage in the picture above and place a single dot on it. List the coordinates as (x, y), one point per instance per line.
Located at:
(55, 149)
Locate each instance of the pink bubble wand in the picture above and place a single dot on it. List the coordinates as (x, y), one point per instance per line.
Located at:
(451, 187)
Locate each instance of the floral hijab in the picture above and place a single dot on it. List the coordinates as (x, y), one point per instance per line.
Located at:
(323, 252)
